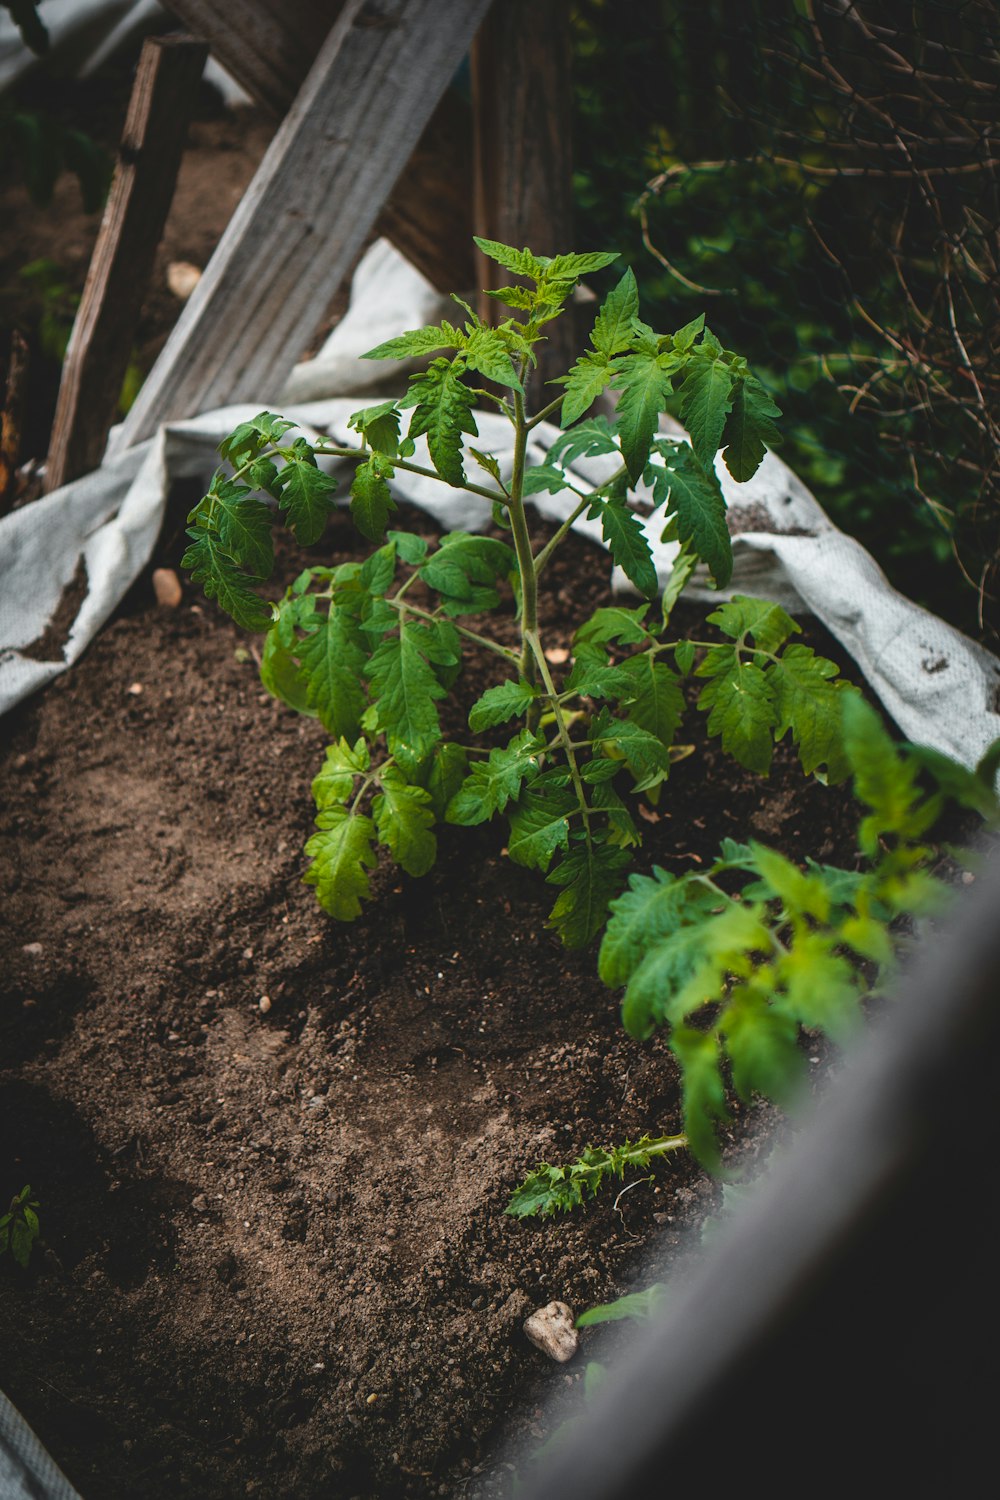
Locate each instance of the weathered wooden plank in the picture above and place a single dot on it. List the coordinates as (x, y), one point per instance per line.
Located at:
(163, 95)
(522, 106)
(10, 418)
(269, 46)
(317, 193)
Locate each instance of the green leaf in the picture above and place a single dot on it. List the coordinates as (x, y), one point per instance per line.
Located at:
(584, 382)
(280, 675)
(685, 337)
(645, 755)
(656, 702)
(684, 654)
(808, 704)
(341, 853)
(418, 341)
(405, 687)
(613, 623)
(442, 411)
(219, 576)
(750, 429)
(653, 908)
(572, 266)
(760, 1043)
(680, 575)
(702, 1090)
(443, 774)
(694, 497)
(465, 569)
(883, 780)
(591, 875)
(379, 426)
(487, 352)
(519, 262)
(244, 528)
(371, 501)
(404, 818)
(410, 547)
(331, 661)
(586, 440)
(740, 706)
(250, 437)
(706, 402)
(768, 623)
(334, 784)
(967, 788)
(544, 477)
(612, 332)
(645, 386)
(491, 784)
(623, 531)
(782, 880)
(539, 825)
(498, 704)
(306, 494)
(818, 987)
(487, 463)
(635, 1305)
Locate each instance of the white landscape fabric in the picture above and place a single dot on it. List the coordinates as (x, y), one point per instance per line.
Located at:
(941, 688)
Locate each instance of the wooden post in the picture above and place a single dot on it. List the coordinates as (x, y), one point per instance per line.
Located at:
(305, 216)
(10, 419)
(522, 107)
(269, 47)
(97, 357)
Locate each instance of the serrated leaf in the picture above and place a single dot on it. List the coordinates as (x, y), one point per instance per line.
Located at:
(706, 401)
(334, 783)
(443, 774)
(652, 909)
(818, 987)
(487, 463)
(971, 789)
(693, 496)
(498, 704)
(883, 779)
(487, 352)
(614, 623)
(591, 875)
(544, 477)
(341, 853)
(418, 341)
(597, 679)
(799, 893)
(585, 440)
(405, 688)
(572, 266)
(655, 702)
(584, 382)
(243, 524)
(685, 337)
(371, 502)
(612, 332)
(647, 758)
(443, 412)
(331, 661)
(518, 297)
(222, 580)
(465, 568)
(680, 575)
(623, 531)
(379, 425)
(768, 623)
(306, 494)
(491, 784)
(404, 818)
(280, 675)
(684, 653)
(410, 547)
(644, 384)
(249, 437)
(519, 262)
(539, 825)
(807, 701)
(749, 429)
(634, 1305)
(740, 707)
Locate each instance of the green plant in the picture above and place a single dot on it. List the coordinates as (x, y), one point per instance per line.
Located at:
(372, 647)
(549, 1190)
(19, 1226)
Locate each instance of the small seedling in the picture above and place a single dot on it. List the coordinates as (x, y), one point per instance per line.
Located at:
(19, 1226)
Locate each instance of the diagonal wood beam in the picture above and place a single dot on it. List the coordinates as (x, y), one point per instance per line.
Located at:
(305, 216)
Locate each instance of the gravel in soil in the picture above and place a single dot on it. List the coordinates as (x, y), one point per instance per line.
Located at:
(272, 1151)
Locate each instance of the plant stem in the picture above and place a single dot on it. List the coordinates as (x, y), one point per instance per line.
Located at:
(546, 411)
(522, 545)
(550, 546)
(480, 640)
(562, 728)
(333, 451)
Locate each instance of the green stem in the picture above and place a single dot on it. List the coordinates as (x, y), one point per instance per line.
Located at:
(331, 451)
(545, 554)
(522, 544)
(561, 728)
(480, 640)
(546, 411)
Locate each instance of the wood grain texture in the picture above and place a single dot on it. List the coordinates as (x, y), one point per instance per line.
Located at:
(522, 104)
(267, 45)
(327, 174)
(163, 96)
(270, 45)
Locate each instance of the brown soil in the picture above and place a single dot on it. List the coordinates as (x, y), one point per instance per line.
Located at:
(278, 1260)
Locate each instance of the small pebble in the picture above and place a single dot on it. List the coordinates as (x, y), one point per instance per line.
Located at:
(372, 1399)
(551, 1330)
(264, 1004)
(557, 655)
(182, 278)
(135, 689)
(167, 587)
(33, 950)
